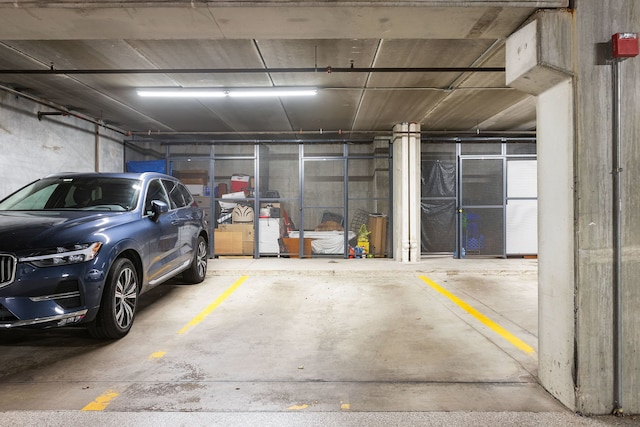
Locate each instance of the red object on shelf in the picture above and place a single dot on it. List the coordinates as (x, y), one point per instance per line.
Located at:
(624, 45)
(239, 183)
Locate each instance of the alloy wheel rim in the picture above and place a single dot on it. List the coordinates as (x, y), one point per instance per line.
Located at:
(202, 259)
(125, 298)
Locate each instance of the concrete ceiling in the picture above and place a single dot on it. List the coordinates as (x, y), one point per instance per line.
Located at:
(386, 61)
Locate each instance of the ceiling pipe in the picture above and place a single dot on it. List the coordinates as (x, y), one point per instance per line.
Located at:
(256, 141)
(493, 138)
(328, 70)
(434, 134)
(60, 111)
(51, 113)
(333, 140)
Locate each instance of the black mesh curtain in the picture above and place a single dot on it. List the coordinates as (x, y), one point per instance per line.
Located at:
(438, 206)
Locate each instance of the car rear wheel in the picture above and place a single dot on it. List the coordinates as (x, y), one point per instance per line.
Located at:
(198, 268)
(119, 301)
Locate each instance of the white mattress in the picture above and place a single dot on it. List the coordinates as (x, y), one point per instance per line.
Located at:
(325, 242)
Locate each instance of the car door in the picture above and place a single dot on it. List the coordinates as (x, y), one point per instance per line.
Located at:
(164, 235)
(184, 218)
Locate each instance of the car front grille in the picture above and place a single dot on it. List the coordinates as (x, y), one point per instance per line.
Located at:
(7, 269)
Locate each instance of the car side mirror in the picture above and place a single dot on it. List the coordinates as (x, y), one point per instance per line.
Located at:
(158, 207)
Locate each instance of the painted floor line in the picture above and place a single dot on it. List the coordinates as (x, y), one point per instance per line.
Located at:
(204, 313)
(517, 342)
(101, 402)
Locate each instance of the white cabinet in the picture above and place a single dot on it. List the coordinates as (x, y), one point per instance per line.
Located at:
(268, 235)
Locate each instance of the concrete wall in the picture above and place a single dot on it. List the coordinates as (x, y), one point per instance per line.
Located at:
(32, 148)
(595, 22)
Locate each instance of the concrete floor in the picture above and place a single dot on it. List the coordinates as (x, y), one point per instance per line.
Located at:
(295, 342)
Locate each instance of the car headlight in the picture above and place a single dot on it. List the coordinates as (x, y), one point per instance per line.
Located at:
(64, 255)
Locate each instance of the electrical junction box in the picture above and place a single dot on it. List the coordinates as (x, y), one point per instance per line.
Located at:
(624, 45)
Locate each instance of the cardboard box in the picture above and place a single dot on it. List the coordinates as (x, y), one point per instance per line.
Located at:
(227, 242)
(247, 235)
(247, 247)
(194, 176)
(377, 226)
(245, 229)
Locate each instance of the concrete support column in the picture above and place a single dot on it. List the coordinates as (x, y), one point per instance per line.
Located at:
(538, 61)
(556, 253)
(406, 190)
(587, 359)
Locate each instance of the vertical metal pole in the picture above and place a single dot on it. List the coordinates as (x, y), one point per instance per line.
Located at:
(390, 233)
(459, 213)
(301, 199)
(256, 199)
(212, 199)
(617, 237)
(96, 155)
(345, 198)
(504, 198)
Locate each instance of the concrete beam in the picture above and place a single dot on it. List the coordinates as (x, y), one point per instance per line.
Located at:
(157, 20)
(538, 56)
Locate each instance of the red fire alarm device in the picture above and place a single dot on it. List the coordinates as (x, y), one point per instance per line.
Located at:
(624, 45)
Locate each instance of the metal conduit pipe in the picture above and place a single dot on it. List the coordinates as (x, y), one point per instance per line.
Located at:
(61, 111)
(431, 135)
(251, 141)
(330, 140)
(617, 244)
(497, 138)
(328, 70)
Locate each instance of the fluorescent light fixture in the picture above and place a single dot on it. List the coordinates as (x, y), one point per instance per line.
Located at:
(182, 93)
(273, 92)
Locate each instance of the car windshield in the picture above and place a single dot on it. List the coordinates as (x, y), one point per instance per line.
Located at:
(75, 193)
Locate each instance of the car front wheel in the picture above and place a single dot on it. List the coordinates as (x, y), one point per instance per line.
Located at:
(118, 306)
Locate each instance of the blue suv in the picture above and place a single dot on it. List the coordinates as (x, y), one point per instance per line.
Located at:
(80, 248)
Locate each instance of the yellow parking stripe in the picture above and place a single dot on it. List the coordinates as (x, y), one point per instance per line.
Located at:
(298, 407)
(517, 342)
(204, 313)
(101, 401)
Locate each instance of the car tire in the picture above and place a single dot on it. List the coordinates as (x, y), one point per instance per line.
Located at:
(198, 268)
(119, 300)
